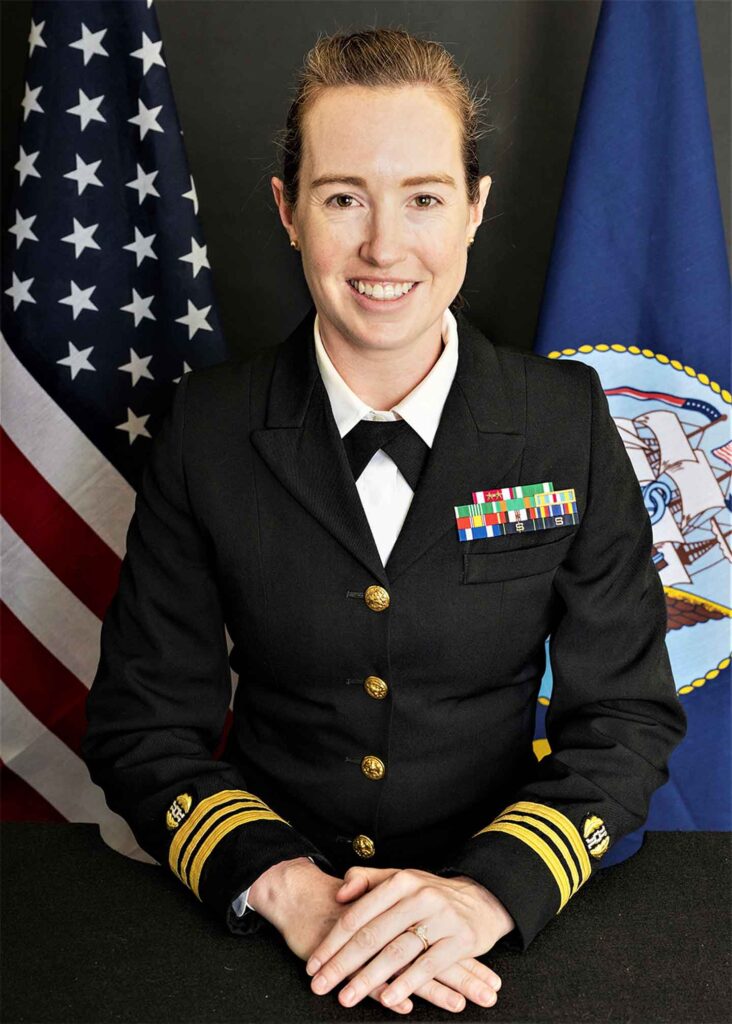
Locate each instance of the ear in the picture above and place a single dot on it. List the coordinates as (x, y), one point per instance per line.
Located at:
(476, 211)
(285, 211)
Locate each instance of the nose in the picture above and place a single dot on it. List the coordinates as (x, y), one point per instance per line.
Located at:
(385, 239)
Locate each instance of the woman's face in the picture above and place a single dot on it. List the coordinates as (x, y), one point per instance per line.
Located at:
(394, 208)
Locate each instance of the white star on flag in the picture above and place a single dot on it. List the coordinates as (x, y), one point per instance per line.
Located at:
(195, 319)
(90, 43)
(135, 425)
(79, 299)
(196, 257)
(87, 109)
(22, 229)
(19, 291)
(149, 54)
(192, 195)
(85, 174)
(142, 246)
(146, 118)
(26, 165)
(139, 307)
(30, 103)
(186, 369)
(77, 359)
(81, 237)
(144, 184)
(34, 36)
(137, 367)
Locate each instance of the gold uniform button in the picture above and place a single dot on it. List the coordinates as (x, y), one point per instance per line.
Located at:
(375, 687)
(364, 846)
(373, 767)
(376, 598)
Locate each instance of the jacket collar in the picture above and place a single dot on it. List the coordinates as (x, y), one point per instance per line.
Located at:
(479, 439)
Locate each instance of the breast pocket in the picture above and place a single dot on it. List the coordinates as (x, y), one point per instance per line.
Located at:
(488, 565)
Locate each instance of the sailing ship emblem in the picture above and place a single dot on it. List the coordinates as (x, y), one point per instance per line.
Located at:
(675, 425)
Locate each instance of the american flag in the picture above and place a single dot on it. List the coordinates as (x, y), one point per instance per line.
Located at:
(107, 302)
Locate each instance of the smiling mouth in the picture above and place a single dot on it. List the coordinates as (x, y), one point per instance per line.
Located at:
(381, 296)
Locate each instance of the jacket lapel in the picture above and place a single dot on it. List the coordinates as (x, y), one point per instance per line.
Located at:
(479, 439)
(301, 445)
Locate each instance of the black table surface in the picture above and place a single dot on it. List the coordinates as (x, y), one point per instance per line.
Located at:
(90, 935)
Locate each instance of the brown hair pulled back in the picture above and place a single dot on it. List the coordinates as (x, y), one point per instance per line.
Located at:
(382, 58)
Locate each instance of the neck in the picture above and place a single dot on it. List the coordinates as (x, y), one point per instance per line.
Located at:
(382, 378)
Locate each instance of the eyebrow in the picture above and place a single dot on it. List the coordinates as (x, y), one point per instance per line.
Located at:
(349, 179)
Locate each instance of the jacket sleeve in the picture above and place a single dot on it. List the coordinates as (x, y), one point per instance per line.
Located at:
(614, 717)
(159, 698)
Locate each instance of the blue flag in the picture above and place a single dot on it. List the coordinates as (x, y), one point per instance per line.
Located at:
(638, 287)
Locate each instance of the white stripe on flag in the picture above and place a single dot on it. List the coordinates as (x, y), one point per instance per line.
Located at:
(47, 608)
(44, 762)
(63, 454)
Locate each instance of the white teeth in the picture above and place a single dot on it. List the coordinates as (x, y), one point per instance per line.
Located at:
(383, 292)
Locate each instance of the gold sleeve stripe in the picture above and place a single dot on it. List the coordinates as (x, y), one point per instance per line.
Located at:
(563, 823)
(186, 830)
(226, 826)
(538, 846)
(556, 839)
(206, 827)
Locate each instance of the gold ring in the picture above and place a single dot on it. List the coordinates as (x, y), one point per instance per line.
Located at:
(421, 931)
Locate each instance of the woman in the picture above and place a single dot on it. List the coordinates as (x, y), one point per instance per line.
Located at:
(389, 653)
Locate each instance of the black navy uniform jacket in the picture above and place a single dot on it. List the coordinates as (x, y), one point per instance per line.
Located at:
(384, 715)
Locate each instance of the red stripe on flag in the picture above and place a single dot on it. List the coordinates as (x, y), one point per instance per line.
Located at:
(20, 802)
(38, 679)
(55, 532)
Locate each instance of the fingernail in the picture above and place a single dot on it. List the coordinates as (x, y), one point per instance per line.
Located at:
(312, 966)
(348, 995)
(496, 983)
(320, 984)
(388, 998)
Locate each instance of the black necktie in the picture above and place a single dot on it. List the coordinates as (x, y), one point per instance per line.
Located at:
(395, 437)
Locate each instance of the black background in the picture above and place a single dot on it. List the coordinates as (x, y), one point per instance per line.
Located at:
(232, 65)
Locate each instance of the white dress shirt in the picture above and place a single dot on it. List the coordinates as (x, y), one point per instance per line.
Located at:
(385, 494)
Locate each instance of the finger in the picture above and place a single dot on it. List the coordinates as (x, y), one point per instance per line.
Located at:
(355, 918)
(404, 1007)
(440, 956)
(396, 956)
(469, 984)
(359, 880)
(482, 971)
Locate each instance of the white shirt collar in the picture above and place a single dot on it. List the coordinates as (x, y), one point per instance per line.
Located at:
(421, 408)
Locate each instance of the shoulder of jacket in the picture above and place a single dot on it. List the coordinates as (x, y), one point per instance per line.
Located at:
(229, 378)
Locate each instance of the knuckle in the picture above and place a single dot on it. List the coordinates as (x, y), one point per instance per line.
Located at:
(428, 966)
(366, 937)
(333, 970)
(350, 919)
(395, 949)
(361, 983)
(431, 893)
(433, 991)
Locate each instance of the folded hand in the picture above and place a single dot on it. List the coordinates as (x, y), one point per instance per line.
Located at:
(370, 942)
